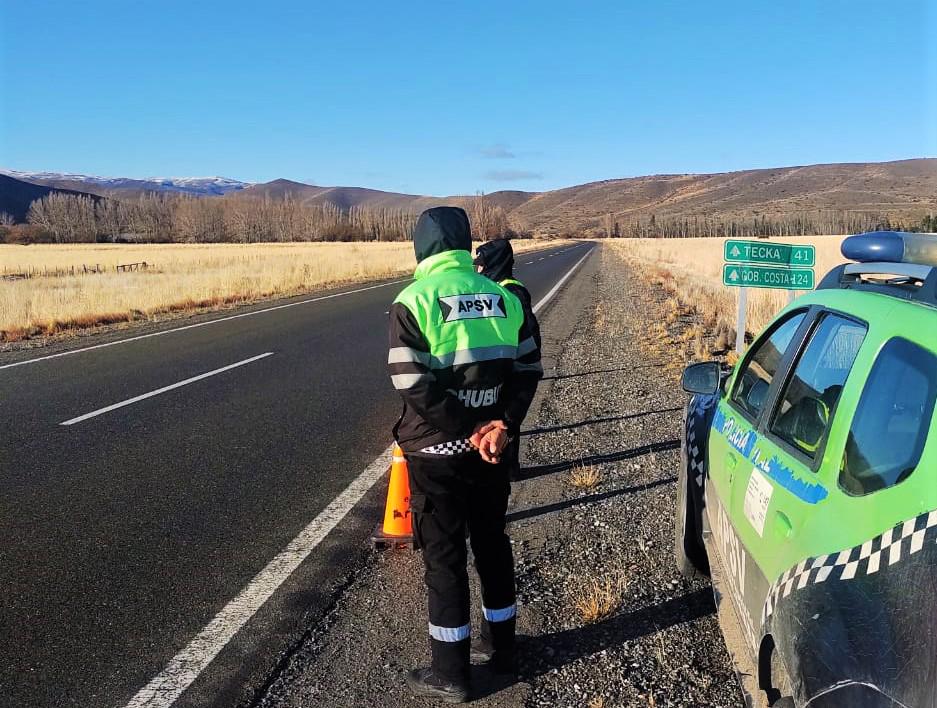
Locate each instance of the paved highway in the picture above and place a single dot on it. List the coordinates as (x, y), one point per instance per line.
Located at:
(146, 483)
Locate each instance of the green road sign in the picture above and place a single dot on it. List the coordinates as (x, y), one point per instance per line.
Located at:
(768, 253)
(753, 276)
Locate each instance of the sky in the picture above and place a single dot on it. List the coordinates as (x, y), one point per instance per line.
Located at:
(449, 98)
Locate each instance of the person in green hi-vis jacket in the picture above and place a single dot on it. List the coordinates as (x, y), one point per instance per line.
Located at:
(464, 360)
(495, 260)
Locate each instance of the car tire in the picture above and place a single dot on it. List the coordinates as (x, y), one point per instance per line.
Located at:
(689, 551)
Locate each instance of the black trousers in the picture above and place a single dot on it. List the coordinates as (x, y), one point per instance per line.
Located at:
(449, 495)
(512, 458)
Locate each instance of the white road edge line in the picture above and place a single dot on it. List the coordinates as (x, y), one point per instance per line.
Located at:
(202, 324)
(158, 391)
(185, 667)
(559, 284)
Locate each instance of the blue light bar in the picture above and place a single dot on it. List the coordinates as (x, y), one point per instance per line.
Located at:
(891, 247)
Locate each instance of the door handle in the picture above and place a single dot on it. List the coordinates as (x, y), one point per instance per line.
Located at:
(783, 524)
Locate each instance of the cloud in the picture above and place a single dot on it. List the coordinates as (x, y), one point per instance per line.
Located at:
(512, 175)
(498, 151)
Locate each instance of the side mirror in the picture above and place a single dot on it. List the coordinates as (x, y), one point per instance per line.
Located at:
(702, 378)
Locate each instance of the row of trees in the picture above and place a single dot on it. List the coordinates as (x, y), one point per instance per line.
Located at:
(67, 218)
(795, 224)
(155, 217)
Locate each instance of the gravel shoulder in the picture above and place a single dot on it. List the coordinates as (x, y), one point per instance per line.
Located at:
(605, 405)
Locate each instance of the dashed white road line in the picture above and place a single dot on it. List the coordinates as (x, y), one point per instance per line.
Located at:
(158, 391)
(202, 324)
(186, 666)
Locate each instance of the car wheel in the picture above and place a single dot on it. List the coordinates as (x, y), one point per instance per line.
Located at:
(689, 551)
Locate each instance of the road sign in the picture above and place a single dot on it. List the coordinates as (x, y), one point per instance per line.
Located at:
(756, 276)
(768, 253)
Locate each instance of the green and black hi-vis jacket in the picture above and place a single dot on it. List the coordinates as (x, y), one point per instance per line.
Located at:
(461, 352)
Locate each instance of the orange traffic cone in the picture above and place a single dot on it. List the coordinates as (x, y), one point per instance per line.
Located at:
(397, 529)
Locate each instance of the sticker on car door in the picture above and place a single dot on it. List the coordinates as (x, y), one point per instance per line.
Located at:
(757, 498)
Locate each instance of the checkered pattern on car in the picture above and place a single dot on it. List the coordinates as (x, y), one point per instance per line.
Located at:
(454, 447)
(693, 453)
(901, 541)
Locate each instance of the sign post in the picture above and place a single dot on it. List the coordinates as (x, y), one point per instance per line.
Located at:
(763, 264)
(740, 320)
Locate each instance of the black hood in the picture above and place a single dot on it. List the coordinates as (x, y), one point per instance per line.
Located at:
(496, 259)
(441, 229)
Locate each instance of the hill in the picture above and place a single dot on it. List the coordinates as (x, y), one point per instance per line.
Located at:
(124, 186)
(16, 195)
(348, 197)
(900, 189)
(903, 190)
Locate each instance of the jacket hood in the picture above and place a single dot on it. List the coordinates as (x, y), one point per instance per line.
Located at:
(441, 229)
(447, 260)
(496, 259)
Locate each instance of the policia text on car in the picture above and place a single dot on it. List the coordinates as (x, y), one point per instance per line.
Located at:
(463, 358)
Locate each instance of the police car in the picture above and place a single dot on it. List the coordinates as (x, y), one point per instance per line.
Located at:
(809, 483)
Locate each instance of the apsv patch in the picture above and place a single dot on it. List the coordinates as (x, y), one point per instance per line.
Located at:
(471, 307)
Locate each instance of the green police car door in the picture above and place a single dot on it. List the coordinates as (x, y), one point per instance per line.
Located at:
(790, 452)
(774, 437)
(732, 438)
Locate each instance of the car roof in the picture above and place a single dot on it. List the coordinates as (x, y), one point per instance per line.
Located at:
(902, 281)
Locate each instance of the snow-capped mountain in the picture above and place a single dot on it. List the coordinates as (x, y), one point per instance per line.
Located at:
(188, 185)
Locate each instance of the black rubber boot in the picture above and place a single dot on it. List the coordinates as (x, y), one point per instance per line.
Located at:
(423, 682)
(482, 651)
(501, 660)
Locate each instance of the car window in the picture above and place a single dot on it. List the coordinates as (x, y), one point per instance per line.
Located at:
(889, 429)
(753, 381)
(803, 416)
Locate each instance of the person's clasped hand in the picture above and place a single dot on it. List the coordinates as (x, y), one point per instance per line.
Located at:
(490, 439)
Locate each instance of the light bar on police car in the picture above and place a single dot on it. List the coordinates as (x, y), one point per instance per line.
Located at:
(891, 247)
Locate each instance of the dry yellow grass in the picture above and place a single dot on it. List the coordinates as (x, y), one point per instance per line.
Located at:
(180, 277)
(598, 598)
(585, 477)
(691, 270)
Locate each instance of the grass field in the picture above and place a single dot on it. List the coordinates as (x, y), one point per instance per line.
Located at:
(691, 270)
(179, 277)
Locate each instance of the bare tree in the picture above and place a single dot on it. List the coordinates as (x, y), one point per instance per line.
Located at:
(113, 217)
(68, 217)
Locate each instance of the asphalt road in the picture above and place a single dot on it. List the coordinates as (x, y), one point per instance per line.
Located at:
(125, 532)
